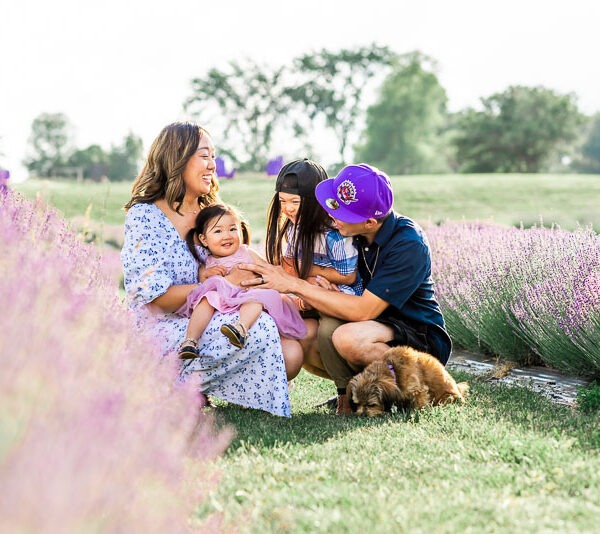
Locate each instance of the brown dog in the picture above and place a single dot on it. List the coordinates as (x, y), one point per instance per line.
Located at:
(404, 376)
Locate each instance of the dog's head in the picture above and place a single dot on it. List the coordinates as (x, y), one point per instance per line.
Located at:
(374, 390)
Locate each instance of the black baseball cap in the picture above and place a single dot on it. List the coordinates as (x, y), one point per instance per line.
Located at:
(300, 177)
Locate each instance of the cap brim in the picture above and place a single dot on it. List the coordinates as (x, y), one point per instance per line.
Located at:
(325, 191)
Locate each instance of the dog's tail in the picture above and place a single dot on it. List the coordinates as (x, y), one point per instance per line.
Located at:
(463, 387)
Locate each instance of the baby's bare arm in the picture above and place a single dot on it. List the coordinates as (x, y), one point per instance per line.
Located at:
(216, 270)
(236, 276)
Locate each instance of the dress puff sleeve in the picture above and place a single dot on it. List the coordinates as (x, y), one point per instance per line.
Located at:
(149, 255)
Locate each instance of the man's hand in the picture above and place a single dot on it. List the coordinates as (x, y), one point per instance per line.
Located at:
(269, 277)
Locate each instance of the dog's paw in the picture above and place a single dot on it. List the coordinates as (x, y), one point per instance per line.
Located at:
(463, 387)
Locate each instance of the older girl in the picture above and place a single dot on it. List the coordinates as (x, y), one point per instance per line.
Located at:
(301, 238)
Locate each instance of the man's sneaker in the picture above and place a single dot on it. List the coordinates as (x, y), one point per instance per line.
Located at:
(330, 404)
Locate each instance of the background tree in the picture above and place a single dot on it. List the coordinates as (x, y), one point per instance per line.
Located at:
(124, 159)
(403, 132)
(247, 101)
(517, 130)
(332, 85)
(49, 144)
(588, 160)
(93, 160)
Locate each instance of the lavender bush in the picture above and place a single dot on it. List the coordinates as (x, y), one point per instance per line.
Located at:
(94, 432)
(520, 293)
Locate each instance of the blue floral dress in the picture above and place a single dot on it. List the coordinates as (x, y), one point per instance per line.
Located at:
(155, 257)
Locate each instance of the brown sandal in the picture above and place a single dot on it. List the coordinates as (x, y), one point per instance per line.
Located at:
(236, 333)
(188, 349)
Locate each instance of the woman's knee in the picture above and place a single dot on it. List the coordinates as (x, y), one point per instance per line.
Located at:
(293, 356)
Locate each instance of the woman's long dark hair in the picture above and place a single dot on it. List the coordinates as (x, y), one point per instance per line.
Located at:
(162, 175)
(311, 221)
(206, 215)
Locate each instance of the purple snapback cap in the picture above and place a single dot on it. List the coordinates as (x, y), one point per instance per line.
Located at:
(357, 193)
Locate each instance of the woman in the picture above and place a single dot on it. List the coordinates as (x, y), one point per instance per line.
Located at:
(177, 181)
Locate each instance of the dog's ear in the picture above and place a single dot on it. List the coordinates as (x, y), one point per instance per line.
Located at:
(390, 394)
(350, 393)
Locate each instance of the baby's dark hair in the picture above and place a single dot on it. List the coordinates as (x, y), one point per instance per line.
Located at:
(206, 215)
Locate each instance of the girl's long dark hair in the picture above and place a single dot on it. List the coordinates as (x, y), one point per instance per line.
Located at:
(311, 221)
(205, 216)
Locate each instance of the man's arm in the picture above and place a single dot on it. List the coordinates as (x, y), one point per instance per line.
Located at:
(333, 303)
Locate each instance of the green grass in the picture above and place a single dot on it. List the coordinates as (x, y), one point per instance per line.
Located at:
(507, 461)
(104, 200)
(507, 199)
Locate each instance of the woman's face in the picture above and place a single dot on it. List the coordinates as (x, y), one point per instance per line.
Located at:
(223, 235)
(290, 204)
(200, 168)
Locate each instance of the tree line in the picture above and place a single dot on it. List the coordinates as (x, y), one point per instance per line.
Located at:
(406, 130)
(51, 153)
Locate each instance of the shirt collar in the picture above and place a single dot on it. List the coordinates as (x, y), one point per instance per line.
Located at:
(383, 235)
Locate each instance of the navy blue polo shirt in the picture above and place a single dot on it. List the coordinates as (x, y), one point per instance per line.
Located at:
(397, 268)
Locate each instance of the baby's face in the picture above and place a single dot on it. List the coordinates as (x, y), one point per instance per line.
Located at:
(290, 204)
(223, 235)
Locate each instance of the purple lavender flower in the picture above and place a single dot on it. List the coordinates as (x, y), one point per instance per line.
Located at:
(95, 430)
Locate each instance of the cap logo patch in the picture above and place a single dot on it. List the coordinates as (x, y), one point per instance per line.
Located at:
(347, 192)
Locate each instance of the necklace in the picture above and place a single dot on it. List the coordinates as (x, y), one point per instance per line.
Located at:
(371, 270)
(191, 211)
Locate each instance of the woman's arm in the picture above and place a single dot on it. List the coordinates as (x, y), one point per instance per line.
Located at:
(146, 251)
(172, 299)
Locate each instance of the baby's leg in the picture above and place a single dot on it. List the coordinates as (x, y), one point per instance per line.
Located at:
(249, 313)
(238, 331)
(199, 320)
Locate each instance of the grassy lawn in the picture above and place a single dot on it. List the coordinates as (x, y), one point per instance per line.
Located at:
(507, 461)
(508, 199)
(104, 200)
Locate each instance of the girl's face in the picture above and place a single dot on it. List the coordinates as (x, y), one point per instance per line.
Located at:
(223, 235)
(290, 204)
(200, 168)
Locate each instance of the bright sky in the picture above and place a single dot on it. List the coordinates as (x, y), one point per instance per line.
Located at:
(115, 66)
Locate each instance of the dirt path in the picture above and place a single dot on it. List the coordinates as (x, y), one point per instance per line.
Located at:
(558, 387)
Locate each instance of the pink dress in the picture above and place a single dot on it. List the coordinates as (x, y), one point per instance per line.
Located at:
(226, 297)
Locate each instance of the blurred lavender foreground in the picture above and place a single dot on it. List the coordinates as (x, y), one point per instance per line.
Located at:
(94, 433)
(524, 294)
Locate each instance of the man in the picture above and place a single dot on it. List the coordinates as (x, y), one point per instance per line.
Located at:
(398, 305)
